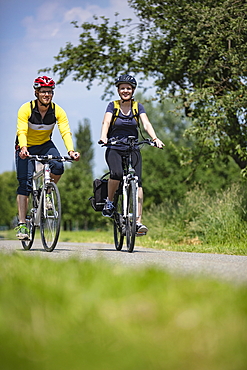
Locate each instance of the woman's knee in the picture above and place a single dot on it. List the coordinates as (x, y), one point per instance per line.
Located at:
(116, 175)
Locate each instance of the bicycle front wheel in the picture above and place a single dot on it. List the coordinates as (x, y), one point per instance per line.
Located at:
(27, 244)
(118, 226)
(50, 217)
(131, 216)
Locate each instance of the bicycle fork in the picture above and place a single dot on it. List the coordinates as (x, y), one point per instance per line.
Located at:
(38, 207)
(37, 211)
(126, 184)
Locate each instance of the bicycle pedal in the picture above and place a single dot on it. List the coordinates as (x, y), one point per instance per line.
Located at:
(23, 238)
(141, 234)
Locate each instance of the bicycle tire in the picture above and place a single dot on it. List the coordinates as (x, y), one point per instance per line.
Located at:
(50, 218)
(27, 244)
(131, 216)
(118, 222)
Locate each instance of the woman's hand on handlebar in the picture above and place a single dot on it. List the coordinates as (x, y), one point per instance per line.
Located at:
(103, 140)
(158, 143)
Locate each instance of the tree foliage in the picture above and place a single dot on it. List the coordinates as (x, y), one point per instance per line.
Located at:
(76, 185)
(194, 51)
(8, 206)
(167, 119)
(84, 146)
(164, 175)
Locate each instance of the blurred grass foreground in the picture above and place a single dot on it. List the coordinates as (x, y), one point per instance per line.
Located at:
(93, 315)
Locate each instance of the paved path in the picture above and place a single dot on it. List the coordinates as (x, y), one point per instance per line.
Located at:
(224, 267)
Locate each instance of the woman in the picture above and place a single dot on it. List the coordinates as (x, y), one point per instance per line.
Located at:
(124, 125)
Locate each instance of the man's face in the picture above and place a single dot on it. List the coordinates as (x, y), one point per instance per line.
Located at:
(45, 95)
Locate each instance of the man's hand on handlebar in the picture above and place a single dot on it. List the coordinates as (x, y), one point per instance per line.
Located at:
(74, 155)
(24, 153)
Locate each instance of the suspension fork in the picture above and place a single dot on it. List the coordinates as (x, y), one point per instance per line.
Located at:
(137, 197)
(126, 184)
(46, 173)
(125, 187)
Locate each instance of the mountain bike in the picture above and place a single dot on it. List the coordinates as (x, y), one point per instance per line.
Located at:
(126, 197)
(44, 208)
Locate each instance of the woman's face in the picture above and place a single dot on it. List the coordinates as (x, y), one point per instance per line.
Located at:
(125, 91)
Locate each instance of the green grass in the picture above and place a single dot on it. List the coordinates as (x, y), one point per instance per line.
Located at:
(151, 240)
(94, 315)
(199, 223)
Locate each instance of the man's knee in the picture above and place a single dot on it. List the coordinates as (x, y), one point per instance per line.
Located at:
(24, 188)
(57, 168)
(25, 184)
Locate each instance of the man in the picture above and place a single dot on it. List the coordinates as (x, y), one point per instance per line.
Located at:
(35, 123)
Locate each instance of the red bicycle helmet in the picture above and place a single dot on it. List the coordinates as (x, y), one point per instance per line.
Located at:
(43, 81)
(126, 79)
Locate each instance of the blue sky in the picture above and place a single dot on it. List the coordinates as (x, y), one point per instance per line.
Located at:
(32, 32)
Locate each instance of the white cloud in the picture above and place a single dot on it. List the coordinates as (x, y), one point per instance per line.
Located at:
(81, 14)
(52, 19)
(42, 27)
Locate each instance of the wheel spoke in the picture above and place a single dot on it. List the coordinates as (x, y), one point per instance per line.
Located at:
(131, 217)
(50, 217)
(118, 221)
(27, 244)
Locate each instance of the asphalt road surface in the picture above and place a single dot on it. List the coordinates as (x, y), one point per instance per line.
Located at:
(224, 267)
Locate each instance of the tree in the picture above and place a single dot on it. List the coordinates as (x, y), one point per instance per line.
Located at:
(194, 50)
(84, 146)
(164, 176)
(167, 119)
(76, 185)
(8, 206)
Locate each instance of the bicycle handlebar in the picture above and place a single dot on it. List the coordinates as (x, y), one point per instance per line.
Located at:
(41, 158)
(114, 142)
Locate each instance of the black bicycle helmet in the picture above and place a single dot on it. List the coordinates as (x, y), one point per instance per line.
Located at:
(126, 79)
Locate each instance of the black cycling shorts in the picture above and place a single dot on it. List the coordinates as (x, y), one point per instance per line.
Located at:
(25, 167)
(114, 160)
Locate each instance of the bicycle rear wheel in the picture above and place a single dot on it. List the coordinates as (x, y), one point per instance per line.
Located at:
(118, 225)
(27, 244)
(50, 217)
(131, 216)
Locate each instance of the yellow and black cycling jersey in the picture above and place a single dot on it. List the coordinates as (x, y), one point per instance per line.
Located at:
(32, 129)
